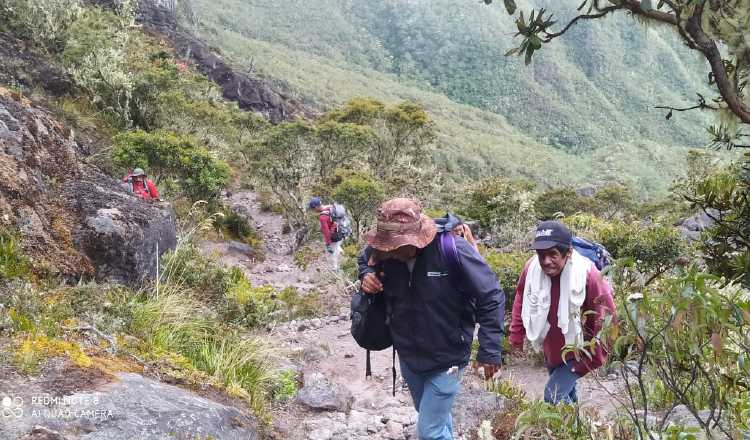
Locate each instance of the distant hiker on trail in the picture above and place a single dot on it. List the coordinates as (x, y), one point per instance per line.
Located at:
(333, 226)
(556, 289)
(141, 185)
(431, 315)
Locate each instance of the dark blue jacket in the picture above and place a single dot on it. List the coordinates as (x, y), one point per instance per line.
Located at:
(432, 322)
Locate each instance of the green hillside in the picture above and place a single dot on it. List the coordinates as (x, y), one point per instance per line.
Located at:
(578, 111)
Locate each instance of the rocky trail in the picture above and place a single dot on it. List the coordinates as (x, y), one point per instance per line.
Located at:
(336, 401)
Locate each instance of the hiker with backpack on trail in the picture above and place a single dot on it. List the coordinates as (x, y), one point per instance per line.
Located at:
(139, 184)
(561, 302)
(435, 287)
(334, 225)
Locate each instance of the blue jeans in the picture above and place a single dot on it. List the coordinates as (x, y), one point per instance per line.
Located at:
(433, 396)
(561, 386)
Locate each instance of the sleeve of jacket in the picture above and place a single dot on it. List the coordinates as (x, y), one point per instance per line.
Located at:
(599, 300)
(481, 282)
(152, 189)
(517, 334)
(325, 229)
(362, 260)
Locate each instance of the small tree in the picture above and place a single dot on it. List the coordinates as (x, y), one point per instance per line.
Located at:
(613, 201)
(340, 145)
(402, 133)
(361, 194)
(504, 210)
(285, 160)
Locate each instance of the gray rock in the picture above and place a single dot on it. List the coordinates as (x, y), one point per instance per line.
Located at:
(319, 393)
(320, 434)
(250, 93)
(394, 430)
(691, 227)
(474, 405)
(134, 407)
(120, 233)
(240, 248)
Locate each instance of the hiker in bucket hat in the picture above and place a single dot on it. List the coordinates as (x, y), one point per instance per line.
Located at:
(431, 315)
(138, 183)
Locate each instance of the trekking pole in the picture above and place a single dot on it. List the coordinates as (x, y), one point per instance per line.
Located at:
(157, 270)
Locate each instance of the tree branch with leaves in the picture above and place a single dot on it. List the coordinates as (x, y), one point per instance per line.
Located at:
(703, 25)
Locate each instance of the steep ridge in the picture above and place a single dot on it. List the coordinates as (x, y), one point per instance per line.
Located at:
(250, 93)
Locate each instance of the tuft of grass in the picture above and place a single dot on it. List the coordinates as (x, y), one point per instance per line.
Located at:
(13, 263)
(304, 256)
(508, 389)
(194, 339)
(232, 225)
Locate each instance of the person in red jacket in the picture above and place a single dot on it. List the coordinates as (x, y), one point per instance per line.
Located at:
(141, 185)
(329, 229)
(556, 290)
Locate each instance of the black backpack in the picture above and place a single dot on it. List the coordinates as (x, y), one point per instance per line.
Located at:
(370, 316)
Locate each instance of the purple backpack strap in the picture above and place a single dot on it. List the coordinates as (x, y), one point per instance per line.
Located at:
(449, 252)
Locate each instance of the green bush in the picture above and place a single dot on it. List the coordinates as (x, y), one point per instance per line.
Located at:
(349, 266)
(361, 194)
(166, 154)
(503, 209)
(650, 247)
(13, 263)
(250, 306)
(496, 200)
(176, 323)
(682, 340)
(556, 202)
(234, 226)
(43, 22)
(726, 193)
(508, 267)
(187, 268)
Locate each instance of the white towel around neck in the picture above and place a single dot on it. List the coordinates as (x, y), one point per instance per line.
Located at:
(537, 297)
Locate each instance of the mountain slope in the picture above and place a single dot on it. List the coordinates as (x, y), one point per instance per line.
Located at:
(557, 121)
(596, 85)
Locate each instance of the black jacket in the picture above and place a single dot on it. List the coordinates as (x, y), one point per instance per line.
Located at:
(432, 322)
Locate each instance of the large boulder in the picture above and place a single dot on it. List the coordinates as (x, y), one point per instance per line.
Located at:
(72, 219)
(129, 407)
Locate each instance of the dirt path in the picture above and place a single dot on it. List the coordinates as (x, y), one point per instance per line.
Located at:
(322, 349)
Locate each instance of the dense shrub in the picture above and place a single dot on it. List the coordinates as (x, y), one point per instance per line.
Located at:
(650, 247)
(166, 154)
(43, 22)
(508, 267)
(725, 194)
(234, 226)
(187, 268)
(503, 209)
(557, 202)
(497, 200)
